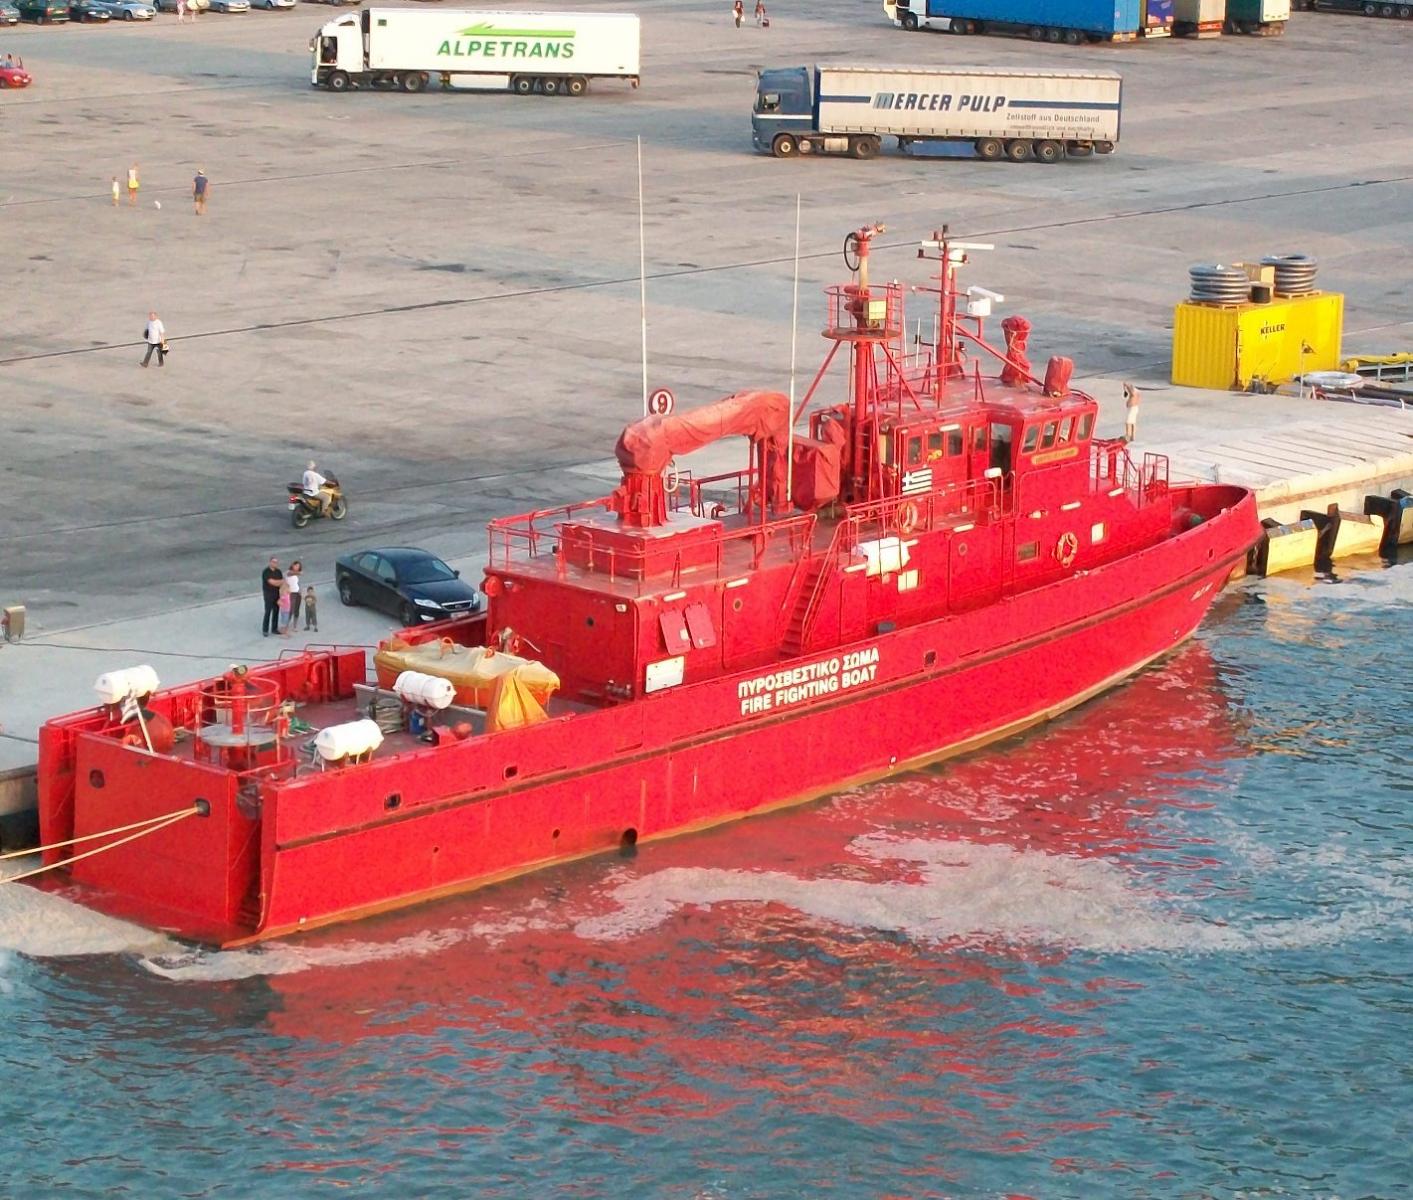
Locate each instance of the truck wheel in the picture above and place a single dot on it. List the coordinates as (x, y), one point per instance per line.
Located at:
(989, 149)
(1036, 33)
(784, 146)
(864, 147)
(576, 85)
(1018, 150)
(910, 22)
(522, 85)
(1073, 37)
(338, 81)
(550, 86)
(1053, 36)
(1404, 12)
(1386, 10)
(414, 81)
(1049, 152)
(1370, 10)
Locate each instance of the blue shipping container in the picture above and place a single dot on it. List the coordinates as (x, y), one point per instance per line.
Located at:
(1091, 16)
(1160, 14)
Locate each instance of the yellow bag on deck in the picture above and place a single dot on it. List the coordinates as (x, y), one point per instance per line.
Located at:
(513, 701)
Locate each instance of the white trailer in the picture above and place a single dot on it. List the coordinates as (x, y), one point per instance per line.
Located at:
(523, 52)
(1017, 115)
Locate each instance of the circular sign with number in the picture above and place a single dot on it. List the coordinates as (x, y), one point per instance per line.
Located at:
(661, 403)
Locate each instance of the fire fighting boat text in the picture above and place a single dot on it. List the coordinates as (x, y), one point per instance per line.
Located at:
(781, 689)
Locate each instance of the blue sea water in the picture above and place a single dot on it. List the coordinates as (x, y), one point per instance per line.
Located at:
(1159, 949)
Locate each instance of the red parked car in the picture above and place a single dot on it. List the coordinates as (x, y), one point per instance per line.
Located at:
(13, 73)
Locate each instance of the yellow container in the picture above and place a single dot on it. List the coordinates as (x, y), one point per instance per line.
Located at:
(1228, 347)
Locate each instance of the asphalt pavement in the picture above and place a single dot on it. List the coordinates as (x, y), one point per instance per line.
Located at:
(437, 296)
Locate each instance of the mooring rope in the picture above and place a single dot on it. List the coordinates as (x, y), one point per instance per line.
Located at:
(89, 837)
(152, 825)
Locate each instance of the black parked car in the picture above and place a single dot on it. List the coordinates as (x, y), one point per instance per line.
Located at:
(405, 583)
(87, 10)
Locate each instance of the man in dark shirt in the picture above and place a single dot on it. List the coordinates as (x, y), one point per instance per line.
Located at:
(270, 579)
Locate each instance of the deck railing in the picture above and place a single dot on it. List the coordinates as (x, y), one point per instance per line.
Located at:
(549, 533)
(1113, 468)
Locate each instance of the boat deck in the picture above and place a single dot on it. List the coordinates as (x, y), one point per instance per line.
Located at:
(321, 715)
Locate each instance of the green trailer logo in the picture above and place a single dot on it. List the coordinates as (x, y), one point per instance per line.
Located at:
(486, 40)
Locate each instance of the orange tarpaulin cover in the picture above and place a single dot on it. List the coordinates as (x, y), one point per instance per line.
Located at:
(472, 670)
(650, 444)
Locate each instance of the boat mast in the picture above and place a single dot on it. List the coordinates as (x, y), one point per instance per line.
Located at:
(642, 277)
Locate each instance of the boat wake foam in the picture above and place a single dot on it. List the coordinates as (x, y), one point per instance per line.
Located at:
(45, 925)
(988, 895)
(948, 891)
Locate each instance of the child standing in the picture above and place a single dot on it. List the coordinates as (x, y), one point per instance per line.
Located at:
(115, 191)
(133, 185)
(284, 605)
(311, 609)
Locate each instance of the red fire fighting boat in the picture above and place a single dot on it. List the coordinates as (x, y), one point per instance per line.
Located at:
(946, 558)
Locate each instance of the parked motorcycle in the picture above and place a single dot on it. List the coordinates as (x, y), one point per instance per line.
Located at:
(303, 509)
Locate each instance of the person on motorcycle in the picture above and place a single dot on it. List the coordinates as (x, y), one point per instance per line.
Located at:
(316, 487)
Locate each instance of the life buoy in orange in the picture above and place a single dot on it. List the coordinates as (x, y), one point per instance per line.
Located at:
(1066, 548)
(907, 517)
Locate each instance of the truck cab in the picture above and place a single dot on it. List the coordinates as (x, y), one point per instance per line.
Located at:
(338, 53)
(784, 106)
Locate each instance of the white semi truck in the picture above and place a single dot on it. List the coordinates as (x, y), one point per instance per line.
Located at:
(1016, 115)
(523, 52)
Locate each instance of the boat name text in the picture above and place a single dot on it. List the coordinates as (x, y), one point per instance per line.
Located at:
(781, 689)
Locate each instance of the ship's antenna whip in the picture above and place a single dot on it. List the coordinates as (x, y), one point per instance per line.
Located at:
(642, 276)
(794, 332)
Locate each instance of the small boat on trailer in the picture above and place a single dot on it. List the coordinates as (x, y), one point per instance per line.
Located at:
(943, 558)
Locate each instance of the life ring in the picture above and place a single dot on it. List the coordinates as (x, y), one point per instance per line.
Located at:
(1066, 548)
(907, 517)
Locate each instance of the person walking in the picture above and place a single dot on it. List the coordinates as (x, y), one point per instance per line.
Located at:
(116, 191)
(311, 608)
(292, 578)
(155, 335)
(198, 191)
(761, 18)
(738, 10)
(133, 185)
(270, 579)
(181, 11)
(1131, 401)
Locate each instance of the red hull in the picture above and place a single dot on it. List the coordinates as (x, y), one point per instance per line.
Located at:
(328, 848)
